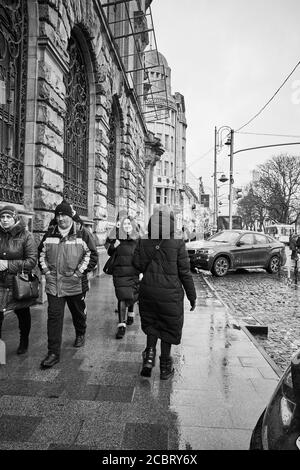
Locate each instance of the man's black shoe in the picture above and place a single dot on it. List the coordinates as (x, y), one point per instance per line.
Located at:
(79, 341)
(50, 360)
(121, 332)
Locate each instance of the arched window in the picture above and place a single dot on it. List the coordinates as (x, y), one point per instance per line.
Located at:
(76, 130)
(112, 167)
(13, 77)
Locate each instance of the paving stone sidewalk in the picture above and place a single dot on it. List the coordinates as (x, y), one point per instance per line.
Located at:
(271, 300)
(95, 398)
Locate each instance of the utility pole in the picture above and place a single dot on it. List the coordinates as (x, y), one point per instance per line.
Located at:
(231, 181)
(215, 185)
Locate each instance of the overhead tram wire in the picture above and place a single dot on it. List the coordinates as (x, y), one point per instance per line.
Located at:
(194, 161)
(268, 102)
(270, 135)
(199, 158)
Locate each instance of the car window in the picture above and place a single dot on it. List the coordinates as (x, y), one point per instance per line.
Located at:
(261, 239)
(225, 237)
(247, 239)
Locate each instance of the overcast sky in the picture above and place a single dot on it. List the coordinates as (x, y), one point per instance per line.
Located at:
(228, 57)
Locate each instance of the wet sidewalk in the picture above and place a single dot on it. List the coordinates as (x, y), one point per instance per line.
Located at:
(96, 399)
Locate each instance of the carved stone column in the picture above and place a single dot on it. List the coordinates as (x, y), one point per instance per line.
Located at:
(153, 153)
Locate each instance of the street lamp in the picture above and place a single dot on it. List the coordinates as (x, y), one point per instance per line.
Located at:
(223, 178)
(231, 181)
(218, 145)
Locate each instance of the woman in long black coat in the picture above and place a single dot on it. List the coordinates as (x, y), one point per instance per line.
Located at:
(165, 265)
(125, 275)
(18, 251)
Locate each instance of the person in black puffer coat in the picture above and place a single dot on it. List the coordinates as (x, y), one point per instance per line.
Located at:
(18, 252)
(125, 275)
(165, 265)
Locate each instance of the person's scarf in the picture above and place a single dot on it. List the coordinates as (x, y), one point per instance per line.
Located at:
(64, 231)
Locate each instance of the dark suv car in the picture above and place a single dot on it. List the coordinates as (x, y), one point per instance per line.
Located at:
(235, 249)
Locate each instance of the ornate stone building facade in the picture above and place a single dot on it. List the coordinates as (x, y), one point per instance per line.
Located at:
(72, 120)
(169, 125)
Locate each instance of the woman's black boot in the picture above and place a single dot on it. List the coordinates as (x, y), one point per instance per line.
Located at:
(121, 330)
(24, 318)
(122, 323)
(23, 346)
(148, 361)
(166, 368)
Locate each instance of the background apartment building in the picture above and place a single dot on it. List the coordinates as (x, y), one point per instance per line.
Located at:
(169, 182)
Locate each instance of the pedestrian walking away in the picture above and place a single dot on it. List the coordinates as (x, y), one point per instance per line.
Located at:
(18, 253)
(111, 240)
(67, 253)
(165, 265)
(125, 275)
(293, 242)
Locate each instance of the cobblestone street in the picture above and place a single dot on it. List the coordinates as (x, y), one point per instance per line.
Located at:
(271, 300)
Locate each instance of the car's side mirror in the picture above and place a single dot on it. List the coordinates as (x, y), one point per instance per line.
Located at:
(239, 243)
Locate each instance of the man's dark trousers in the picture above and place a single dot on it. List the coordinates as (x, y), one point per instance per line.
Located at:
(56, 308)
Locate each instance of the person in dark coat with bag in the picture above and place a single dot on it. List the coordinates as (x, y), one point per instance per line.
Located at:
(125, 275)
(165, 265)
(18, 253)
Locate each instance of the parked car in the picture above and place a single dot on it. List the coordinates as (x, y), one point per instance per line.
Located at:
(278, 427)
(235, 249)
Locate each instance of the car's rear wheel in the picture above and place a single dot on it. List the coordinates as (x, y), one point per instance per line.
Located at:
(274, 263)
(220, 266)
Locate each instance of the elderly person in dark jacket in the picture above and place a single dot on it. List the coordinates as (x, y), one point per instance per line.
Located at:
(67, 253)
(165, 265)
(125, 275)
(18, 252)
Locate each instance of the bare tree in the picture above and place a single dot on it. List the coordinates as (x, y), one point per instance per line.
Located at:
(278, 186)
(275, 193)
(251, 208)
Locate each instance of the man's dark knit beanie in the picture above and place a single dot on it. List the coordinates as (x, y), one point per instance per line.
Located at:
(64, 208)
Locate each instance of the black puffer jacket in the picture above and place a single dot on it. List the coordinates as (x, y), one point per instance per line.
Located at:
(18, 246)
(125, 275)
(166, 268)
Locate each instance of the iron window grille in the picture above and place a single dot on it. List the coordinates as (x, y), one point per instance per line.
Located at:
(76, 131)
(13, 80)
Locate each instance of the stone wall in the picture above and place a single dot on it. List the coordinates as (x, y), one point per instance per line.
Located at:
(55, 21)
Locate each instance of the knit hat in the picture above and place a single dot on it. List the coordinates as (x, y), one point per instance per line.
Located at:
(64, 208)
(11, 210)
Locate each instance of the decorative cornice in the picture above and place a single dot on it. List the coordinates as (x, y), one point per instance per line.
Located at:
(46, 43)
